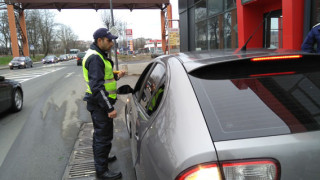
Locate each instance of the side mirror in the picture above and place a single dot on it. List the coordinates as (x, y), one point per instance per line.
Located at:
(125, 89)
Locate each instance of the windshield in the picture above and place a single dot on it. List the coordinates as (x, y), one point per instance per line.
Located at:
(260, 105)
(49, 57)
(74, 51)
(18, 59)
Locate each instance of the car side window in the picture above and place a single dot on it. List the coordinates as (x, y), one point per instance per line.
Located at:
(153, 89)
(140, 81)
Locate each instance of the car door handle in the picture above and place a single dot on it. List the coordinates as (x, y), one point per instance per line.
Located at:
(136, 136)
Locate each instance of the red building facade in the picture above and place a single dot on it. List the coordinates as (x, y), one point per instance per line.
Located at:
(220, 24)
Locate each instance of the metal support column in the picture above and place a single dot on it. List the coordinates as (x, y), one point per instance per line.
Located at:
(13, 31)
(163, 31)
(22, 23)
(115, 41)
(164, 19)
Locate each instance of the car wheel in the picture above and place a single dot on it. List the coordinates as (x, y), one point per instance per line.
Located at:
(31, 65)
(17, 100)
(11, 68)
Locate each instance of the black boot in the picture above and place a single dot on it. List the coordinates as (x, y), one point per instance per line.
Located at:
(111, 158)
(109, 175)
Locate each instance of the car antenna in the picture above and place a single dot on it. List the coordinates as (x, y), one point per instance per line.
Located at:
(244, 47)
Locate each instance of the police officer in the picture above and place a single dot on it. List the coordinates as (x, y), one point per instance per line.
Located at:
(101, 96)
(312, 38)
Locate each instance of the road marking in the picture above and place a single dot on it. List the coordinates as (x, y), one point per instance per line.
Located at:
(69, 74)
(31, 74)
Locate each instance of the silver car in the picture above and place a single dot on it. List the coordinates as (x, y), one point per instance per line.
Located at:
(224, 115)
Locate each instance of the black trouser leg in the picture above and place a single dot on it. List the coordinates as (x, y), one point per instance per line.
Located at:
(102, 137)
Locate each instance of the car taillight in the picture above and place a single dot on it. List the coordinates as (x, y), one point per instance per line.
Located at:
(206, 171)
(262, 170)
(243, 170)
(273, 74)
(78, 58)
(272, 58)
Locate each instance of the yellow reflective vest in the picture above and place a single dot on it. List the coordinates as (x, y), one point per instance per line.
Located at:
(110, 83)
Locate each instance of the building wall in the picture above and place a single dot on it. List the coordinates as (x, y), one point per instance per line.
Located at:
(208, 24)
(220, 24)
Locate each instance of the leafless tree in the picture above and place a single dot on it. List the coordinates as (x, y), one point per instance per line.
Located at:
(33, 18)
(67, 37)
(118, 23)
(5, 32)
(46, 25)
(139, 43)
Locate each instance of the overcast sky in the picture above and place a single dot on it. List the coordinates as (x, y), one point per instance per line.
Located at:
(144, 23)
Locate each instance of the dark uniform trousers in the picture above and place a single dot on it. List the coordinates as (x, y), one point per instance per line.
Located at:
(102, 136)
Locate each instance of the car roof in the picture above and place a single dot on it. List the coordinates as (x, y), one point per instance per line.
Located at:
(197, 59)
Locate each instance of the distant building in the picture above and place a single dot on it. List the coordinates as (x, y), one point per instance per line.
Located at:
(153, 45)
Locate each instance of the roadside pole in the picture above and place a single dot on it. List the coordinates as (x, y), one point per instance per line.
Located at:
(115, 41)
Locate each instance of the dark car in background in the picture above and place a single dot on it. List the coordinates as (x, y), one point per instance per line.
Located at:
(20, 62)
(50, 59)
(80, 57)
(11, 95)
(63, 57)
(226, 115)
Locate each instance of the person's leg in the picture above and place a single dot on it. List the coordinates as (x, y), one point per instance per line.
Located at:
(102, 137)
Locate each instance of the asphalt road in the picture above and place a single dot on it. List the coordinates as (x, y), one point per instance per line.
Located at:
(36, 142)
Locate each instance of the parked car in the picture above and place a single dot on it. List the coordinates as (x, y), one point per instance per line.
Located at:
(80, 57)
(226, 115)
(157, 53)
(63, 57)
(11, 95)
(21, 62)
(50, 59)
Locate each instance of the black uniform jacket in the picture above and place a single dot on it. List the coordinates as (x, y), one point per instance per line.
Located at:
(95, 66)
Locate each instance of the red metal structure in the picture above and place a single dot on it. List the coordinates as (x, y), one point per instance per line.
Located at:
(20, 5)
(251, 14)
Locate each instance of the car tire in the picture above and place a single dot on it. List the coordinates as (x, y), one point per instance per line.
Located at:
(17, 100)
(11, 68)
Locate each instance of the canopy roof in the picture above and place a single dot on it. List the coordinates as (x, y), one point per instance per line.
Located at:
(88, 4)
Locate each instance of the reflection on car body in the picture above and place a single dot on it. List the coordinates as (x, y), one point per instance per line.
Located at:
(250, 115)
(20, 62)
(11, 95)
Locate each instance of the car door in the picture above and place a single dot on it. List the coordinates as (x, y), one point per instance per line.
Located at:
(5, 95)
(133, 109)
(145, 107)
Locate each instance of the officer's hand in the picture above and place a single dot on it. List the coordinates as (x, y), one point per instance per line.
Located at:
(112, 114)
(121, 73)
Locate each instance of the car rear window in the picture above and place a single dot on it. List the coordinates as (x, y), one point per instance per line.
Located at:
(81, 55)
(240, 101)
